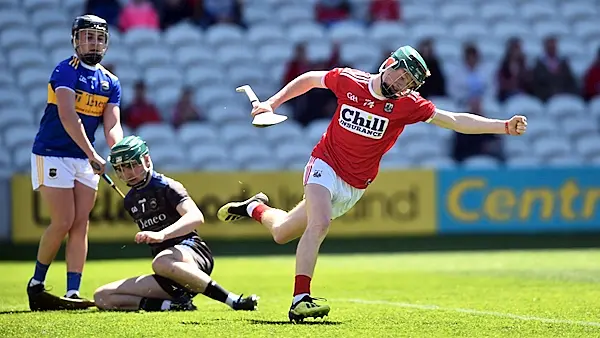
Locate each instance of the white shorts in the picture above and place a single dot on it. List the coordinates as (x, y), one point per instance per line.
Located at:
(343, 195)
(61, 172)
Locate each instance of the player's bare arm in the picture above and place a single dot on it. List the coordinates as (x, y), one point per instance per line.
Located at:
(466, 123)
(65, 98)
(298, 86)
(191, 218)
(113, 131)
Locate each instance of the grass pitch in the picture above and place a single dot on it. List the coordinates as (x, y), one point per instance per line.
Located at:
(466, 294)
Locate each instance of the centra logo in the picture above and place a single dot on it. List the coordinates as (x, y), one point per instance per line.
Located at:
(362, 123)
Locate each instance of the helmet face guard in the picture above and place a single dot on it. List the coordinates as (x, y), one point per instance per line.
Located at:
(133, 172)
(89, 36)
(402, 72)
(396, 82)
(130, 158)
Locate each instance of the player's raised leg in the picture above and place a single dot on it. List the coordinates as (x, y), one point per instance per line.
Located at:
(319, 208)
(181, 265)
(284, 226)
(77, 243)
(234, 211)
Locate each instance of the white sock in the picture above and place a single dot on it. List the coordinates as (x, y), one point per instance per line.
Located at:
(232, 297)
(166, 305)
(297, 298)
(250, 208)
(35, 282)
(70, 293)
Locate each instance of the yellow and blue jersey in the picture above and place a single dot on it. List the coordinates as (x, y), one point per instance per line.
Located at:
(94, 87)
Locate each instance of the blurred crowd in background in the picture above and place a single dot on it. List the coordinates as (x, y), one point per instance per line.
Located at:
(179, 61)
(549, 75)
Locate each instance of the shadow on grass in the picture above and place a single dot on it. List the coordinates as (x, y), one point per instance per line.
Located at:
(274, 322)
(81, 311)
(287, 322)
(12, 312)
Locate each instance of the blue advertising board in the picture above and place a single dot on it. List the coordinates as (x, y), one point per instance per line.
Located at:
(518, 201)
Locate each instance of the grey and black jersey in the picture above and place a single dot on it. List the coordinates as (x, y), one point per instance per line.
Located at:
(153, 207)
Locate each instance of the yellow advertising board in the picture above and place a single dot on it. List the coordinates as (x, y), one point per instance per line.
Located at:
(397, 203)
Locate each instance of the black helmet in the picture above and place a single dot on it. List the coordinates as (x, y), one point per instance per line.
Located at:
(91, 55)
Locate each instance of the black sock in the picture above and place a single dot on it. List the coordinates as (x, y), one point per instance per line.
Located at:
(216, 292)
(151, 304)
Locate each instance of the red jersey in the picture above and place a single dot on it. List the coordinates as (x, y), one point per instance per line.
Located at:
(365, 125)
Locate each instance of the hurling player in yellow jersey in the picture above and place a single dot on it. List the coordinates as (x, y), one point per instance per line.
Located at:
(81, 95)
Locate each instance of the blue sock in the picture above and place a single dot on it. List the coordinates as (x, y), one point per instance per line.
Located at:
(73, 281)
(40, 271)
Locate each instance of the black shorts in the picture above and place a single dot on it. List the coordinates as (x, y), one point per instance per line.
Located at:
(204, 260)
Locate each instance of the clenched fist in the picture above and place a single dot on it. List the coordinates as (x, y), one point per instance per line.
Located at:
(149, 237)
(517, 125)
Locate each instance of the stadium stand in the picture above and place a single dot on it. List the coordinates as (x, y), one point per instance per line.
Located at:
(562, 131)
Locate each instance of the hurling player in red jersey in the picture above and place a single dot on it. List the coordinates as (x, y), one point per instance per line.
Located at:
(372, 111)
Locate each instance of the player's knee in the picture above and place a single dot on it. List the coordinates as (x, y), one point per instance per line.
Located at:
(102, 298)
(319, 226)
(162, 266)
(280, 238)
(62, 224)
(79, 227)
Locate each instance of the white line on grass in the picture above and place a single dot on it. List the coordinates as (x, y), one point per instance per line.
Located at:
(473, 312)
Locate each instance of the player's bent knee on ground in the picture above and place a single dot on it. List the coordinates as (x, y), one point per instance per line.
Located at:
(102, 297)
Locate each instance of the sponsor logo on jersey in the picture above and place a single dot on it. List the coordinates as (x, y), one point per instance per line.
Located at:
(148, 222)
(85, 103)
(362, 123)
